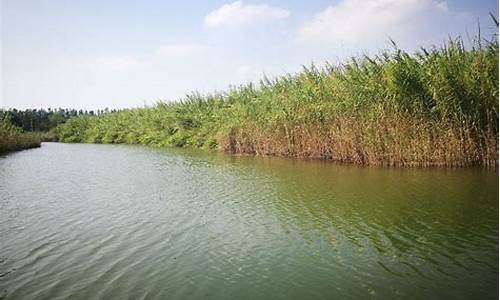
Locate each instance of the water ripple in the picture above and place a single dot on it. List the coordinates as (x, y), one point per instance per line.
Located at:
(139, 223)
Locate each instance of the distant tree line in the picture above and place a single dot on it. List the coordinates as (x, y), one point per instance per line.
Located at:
(46, 119)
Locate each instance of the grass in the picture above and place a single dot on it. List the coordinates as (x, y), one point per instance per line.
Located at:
(13, 138)
(438, 106)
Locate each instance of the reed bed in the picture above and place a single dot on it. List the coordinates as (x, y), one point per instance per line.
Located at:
(435, 107)
(13, 138)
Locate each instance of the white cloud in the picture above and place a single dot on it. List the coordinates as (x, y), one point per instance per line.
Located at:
(237, 14)
(442, 6)
(181, 50)
(111, 64)
(364, 21)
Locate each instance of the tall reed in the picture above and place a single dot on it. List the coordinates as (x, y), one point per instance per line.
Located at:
(12, 138)
(438, 106)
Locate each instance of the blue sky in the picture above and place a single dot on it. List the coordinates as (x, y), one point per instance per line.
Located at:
(96, 54)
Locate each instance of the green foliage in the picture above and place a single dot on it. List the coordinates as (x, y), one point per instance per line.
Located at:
(437, 106)
(12, 138)
(41, 120)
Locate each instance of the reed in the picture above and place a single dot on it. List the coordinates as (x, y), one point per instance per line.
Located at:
(13, 138)
(438, 106)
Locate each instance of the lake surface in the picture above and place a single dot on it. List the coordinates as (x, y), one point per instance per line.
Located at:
(130, 222)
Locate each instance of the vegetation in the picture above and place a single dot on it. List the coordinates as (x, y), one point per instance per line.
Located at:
(438, 106)
(41, 120)
(12, 138)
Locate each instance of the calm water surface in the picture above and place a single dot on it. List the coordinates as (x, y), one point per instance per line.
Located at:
(128, 222)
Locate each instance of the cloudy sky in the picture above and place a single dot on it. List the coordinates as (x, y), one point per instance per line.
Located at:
(95, 54)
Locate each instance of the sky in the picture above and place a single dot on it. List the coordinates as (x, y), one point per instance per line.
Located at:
(122, 53)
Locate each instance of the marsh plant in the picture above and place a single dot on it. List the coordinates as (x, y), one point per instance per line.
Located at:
(12, 138)
(438, 106)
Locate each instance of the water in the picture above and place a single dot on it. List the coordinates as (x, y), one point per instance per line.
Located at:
(129, 222)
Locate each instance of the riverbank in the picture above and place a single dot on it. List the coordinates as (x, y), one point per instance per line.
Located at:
(13, 139)
(435, 107)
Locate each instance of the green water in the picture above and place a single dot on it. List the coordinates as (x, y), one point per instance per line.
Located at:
(129, 222)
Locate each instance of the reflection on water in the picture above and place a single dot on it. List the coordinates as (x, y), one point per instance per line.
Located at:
(111, 222)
